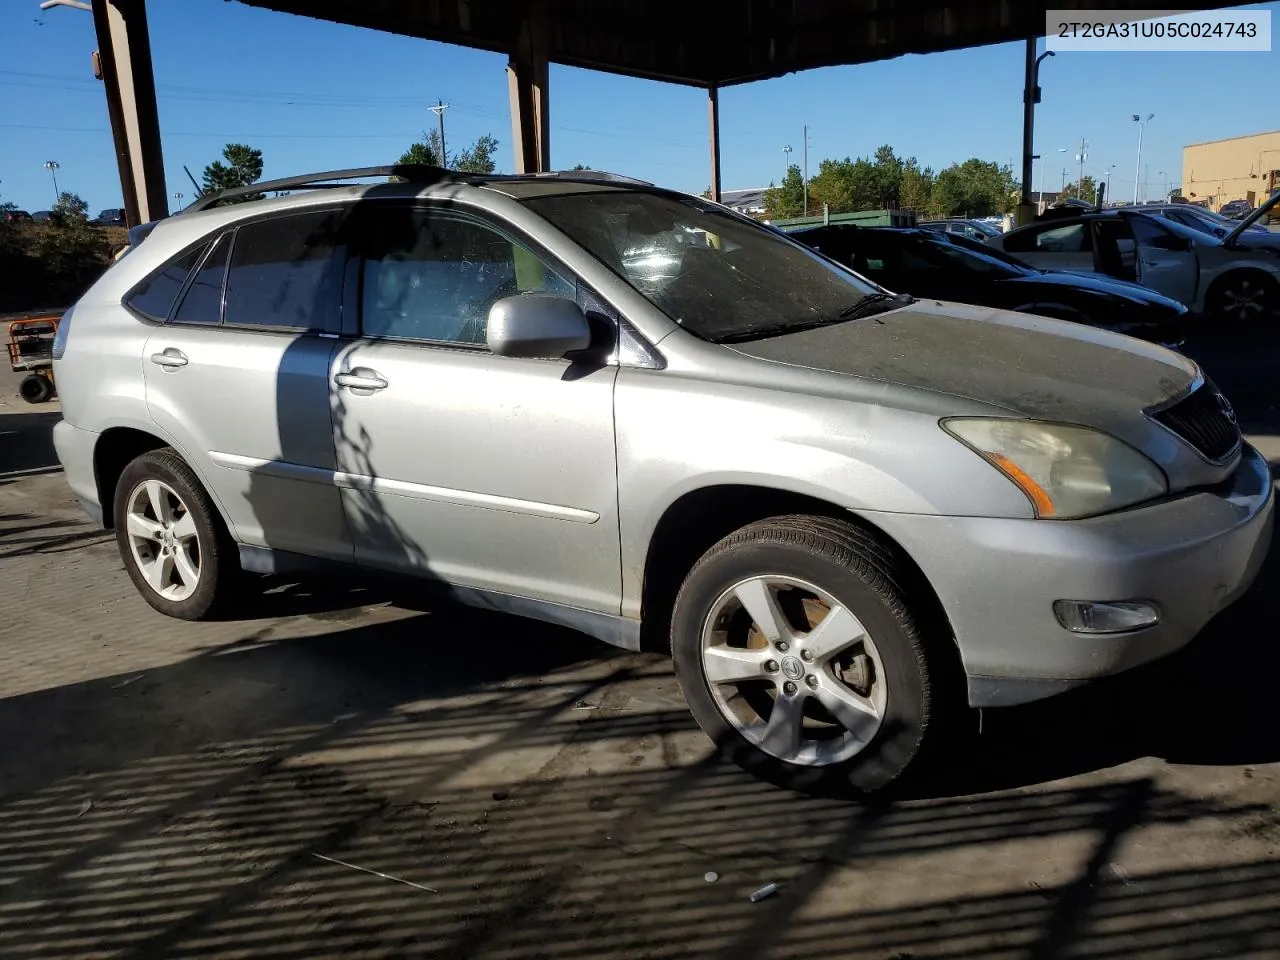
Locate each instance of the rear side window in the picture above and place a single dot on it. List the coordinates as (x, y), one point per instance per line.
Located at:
(1068, 238)
(153, 298)
(285, 273)
(202, 303)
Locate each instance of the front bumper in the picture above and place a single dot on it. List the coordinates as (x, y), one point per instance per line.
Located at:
(1192, 555)
(74, 448)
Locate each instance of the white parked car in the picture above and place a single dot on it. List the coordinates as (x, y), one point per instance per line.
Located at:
(1234, 277)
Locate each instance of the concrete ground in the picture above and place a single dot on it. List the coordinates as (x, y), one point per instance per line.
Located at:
(223, 790)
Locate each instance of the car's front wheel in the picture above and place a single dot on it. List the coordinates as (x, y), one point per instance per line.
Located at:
(172, 540)
(1242, 297)
(803, 656)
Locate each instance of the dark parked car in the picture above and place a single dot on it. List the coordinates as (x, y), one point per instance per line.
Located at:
(113, 217)
(16, 216)
(941, 266)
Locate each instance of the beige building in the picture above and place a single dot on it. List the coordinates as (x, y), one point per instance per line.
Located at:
(1242, 168)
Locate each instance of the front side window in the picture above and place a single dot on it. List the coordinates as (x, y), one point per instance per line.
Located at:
(432, 276)
(285, 273)
(718, 277)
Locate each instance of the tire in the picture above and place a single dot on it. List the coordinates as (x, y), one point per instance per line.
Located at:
(900, 672)
(1242, 297)
(202, 540)
(35, 388)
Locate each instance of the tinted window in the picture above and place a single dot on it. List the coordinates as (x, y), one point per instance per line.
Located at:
(719, 277)
(202, 303)
(154, 297)
(431, 276)
(284, 272)
(1068, 238)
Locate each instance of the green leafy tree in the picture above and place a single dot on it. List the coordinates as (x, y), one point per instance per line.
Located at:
(787, 198)
(420, 154)
(1086, 190)
(916, 193)
(886, 179)
(974, 188)
(477, 158)
(243, 167)
(582, 166)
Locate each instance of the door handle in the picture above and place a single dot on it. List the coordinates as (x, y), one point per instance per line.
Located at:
(361, 378)
(170, 358)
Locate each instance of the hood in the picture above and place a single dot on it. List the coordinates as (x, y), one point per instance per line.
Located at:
(1030, 365)
(1096, 283)
(1251, 219)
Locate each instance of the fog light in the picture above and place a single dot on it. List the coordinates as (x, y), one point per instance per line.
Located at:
(1084, 616)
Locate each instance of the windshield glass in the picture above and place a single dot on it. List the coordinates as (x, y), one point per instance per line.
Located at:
(715, 275)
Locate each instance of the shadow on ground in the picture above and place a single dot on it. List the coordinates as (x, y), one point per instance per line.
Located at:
(26, 443)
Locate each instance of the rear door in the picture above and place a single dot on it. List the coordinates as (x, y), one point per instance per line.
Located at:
(1053, 246)
(238, 374)
(1167, 262)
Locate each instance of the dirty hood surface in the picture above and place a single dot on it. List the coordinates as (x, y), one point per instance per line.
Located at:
(1041, 368)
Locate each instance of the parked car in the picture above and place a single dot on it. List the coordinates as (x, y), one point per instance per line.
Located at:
(16, 216)
(42, 216)
(939, 266)
(850, 515)
(111, 217)
(1236, 208)
(1205, 220)
(1231, 278)
(973, 229)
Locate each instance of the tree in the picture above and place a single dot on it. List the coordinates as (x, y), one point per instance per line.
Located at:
(1086, 190)
(70, 210)
(786, 199)
(917, 188)
(975, 188)
(477, 158)
(243, 167)
(581, 166)
(420, 154)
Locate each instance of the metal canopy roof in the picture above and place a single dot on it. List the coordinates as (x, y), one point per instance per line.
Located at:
(709, 43)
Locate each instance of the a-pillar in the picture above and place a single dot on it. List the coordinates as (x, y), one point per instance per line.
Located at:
(124, 62)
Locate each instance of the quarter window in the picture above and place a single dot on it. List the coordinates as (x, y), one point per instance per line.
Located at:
(202, 303)
(285, 273)
(153, 298)
(430, 276)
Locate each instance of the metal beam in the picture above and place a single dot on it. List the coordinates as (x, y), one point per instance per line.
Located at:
(527, 80)
(713, 119)
(124, 56)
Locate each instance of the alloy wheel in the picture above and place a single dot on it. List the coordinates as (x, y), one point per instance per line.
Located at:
(163, 540)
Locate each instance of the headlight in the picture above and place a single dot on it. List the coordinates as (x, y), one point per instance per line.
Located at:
(1066, 471)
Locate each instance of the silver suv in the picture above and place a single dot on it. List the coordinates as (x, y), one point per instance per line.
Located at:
(849, 515)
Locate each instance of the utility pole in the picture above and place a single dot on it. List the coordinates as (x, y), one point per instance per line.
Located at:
(1137, 167)
(439, 109)
(1063, 189)
(1080, 183)
(806, 170)
(786, 153)
(177, 199)
(52, 167)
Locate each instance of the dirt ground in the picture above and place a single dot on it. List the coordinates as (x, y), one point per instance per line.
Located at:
(223, 790)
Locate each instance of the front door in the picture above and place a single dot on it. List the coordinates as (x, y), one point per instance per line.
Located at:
(244, 386)
(479, 470)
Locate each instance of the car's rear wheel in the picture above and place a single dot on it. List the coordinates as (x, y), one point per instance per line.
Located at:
(1243, 297)
(804, 657)
(172, 540)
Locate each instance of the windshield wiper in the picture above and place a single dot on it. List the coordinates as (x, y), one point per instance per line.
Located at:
(868, 306)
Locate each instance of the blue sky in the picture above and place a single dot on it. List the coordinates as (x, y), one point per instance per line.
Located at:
(314, 95)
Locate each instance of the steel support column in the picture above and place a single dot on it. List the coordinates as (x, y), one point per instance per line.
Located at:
(713, 120)
(124, 61)
(527, 80)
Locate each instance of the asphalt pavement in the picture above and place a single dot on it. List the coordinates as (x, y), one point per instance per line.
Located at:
(346, 771)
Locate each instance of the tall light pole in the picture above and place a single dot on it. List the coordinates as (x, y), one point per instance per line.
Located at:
(1030, 97)
(1137, 167)
(786, 153)
(52, 166)
(1164, 197)
(177, 200)
(438, 109)
(1040, 193)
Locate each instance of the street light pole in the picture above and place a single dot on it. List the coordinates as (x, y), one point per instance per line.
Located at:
(1137, 167)
(52, 167)
(786, 154)
(1030, 97)
(806, 170)
(1081, 158)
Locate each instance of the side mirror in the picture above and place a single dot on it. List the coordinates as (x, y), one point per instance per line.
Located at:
(537, 326)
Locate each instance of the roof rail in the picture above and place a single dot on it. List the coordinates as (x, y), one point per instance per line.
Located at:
(417, 173)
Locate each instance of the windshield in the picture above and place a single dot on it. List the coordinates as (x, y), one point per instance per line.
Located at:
(717, 276)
